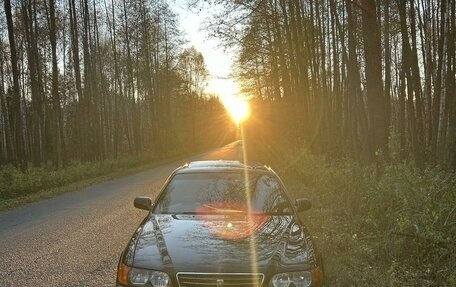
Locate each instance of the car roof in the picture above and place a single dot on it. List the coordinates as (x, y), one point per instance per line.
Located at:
(219, 166)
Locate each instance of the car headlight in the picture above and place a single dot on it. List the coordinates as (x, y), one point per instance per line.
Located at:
(298, 279)
(140, 277)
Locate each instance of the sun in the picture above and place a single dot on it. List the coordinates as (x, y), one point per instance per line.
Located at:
(228, 92)
(238, 109)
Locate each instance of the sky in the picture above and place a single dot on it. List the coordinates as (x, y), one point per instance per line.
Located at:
(218, 61)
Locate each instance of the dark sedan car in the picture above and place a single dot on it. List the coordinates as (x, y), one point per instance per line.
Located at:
(221, 223)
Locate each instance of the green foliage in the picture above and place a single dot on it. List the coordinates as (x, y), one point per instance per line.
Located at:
(14, 183)
(393, 226)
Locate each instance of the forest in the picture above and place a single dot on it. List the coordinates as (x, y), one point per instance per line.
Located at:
(371, 80)
(89, 80)
(92, 80)
(354, 103)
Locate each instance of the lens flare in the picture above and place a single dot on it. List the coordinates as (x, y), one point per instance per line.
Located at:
(230, 220)
(253, 248)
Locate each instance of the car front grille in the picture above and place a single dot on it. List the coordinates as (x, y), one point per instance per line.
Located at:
(220, 279)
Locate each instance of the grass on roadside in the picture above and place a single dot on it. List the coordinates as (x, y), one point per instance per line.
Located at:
(17, 188)
(394, 227)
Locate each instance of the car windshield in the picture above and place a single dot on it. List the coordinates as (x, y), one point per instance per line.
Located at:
(223, 193)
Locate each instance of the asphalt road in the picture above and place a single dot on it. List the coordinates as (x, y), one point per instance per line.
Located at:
(76, 239)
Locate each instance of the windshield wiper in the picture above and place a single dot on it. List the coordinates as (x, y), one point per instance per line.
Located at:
(218, 210)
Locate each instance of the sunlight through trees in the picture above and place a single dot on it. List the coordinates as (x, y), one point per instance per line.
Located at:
(89, 80)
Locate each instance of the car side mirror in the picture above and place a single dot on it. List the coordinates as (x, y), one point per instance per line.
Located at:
(303, 204)
(143, 202)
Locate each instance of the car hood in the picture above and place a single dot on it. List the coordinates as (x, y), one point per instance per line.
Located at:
(220, 243)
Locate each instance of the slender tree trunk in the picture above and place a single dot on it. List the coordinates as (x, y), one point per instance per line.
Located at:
(428, 63)
(79, 127)
(86, 103)
(437, 100)
(130, 86)
(387, 44)
(355, 112)
(20, 158)
(451, 86)
(415, 71)
(118, 90)
(401, 116)
(7, 133)
(409, 83)
(99, 89)
(283, 67)
(57, 112)
(33, 59)
(374, 82)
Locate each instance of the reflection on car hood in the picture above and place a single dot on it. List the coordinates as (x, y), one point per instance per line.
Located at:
(192, 243)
